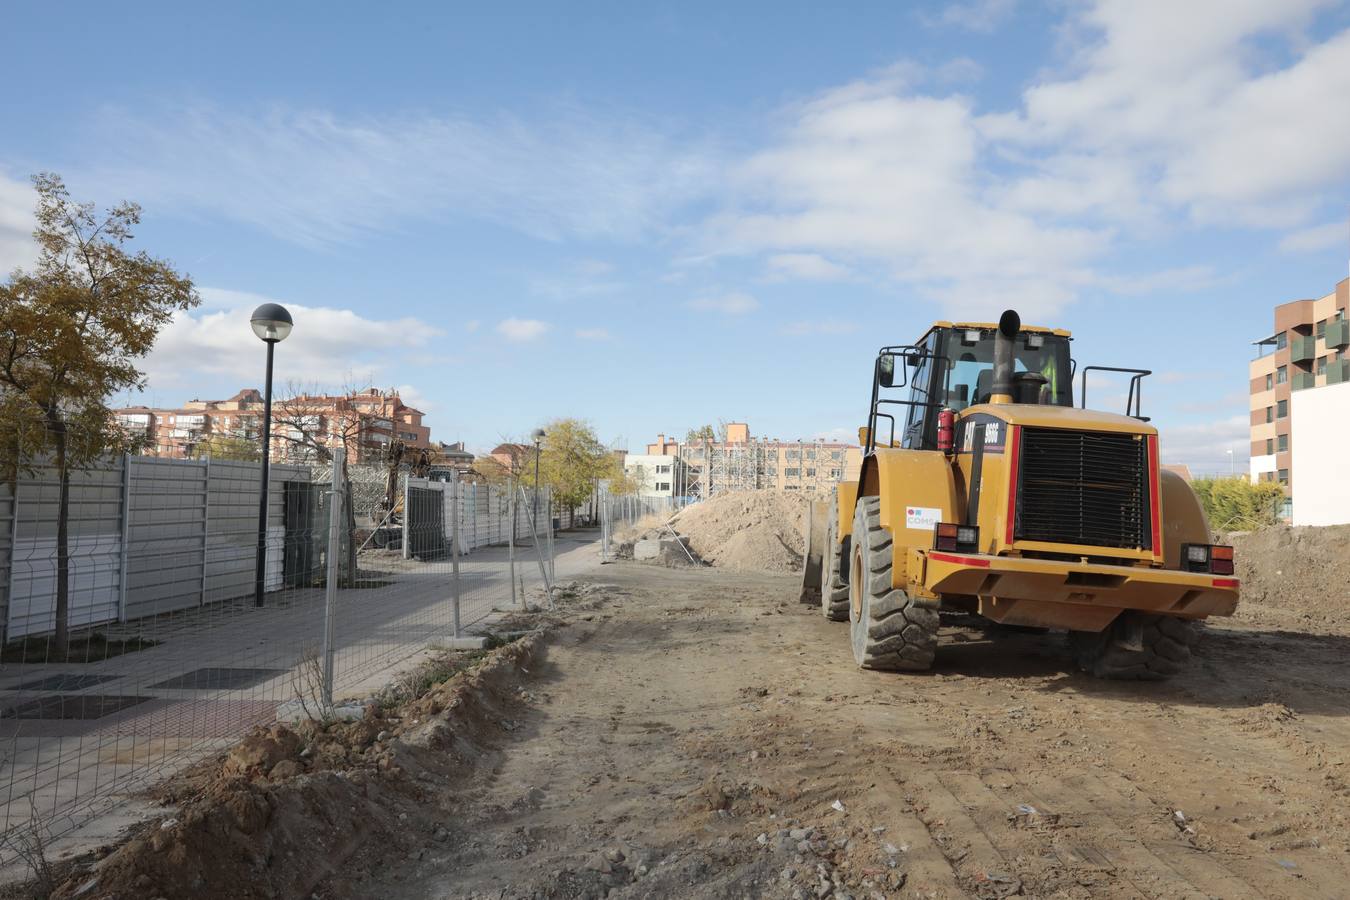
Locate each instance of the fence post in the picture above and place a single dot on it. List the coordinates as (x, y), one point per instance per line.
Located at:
(552, 572)
(538, 550)
(407, 515)
(454, 549)
(126, 538)
(331, 576)
(511, 550)
(206, 525)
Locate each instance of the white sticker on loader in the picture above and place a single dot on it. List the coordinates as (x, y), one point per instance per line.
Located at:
(924, 517)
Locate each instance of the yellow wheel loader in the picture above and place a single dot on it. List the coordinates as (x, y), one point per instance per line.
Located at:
(984, 490)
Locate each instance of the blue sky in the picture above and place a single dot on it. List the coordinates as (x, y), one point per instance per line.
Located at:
(655, 218)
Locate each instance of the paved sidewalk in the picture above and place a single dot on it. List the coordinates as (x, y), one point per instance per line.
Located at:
(219, 670)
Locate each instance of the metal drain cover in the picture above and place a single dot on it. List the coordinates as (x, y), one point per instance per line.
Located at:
(64, 681)
(218, 679)
(72, 706)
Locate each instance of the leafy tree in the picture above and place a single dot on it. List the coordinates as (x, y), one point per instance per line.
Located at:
(704, 434)
(71, 332)
(226, 446)
(1236, 504)
(572, 463)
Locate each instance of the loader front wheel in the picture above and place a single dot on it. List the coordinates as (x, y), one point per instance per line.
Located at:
(889, 630)
(834, 589)
(1136, 646)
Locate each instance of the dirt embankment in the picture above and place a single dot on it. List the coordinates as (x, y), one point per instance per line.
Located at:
(1294, 576)
(289, 807)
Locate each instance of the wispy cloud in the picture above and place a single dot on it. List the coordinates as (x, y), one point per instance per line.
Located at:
(1318, 237)
(317, 178)
(514, 329)
(593, 334)
(806, 267)
(974, 15)
(735, 303)
(215, 341)
(17, 202)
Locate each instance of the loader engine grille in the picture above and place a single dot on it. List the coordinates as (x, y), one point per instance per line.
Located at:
(1083, 487)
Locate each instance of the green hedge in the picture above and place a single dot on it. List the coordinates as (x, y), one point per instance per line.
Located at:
(1235, 504)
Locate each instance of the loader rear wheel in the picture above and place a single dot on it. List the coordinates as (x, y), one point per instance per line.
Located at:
(888, 630)
(1136, 646)
(834, 590)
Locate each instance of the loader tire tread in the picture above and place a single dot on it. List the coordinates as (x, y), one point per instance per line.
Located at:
(891, 632)
(1167, 643)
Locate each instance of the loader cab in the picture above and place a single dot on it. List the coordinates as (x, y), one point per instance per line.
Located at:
(953, 367)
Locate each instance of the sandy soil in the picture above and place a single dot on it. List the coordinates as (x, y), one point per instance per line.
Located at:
(700, 734)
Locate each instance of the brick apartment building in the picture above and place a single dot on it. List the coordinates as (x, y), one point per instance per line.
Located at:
(743, 462)
(1309, 348)
(370, 420)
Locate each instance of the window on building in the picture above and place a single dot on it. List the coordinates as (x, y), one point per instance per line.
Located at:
(1281, 340)
(793, 454)
(834, 473)
(791, 473)
(789, 487)
(1321, 365)
(1322, 328)
(810, 473)
(663, 485)
(1282, 409)
(1281, 374)
(810, 454)
(1283, 443)
(663, 470)
(1270, 446)
(836, 455)
(1270, 381)
(1270, 414)
(1284, 476)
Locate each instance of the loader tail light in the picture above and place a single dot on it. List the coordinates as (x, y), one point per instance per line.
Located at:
(1216, 559)
(955, 538)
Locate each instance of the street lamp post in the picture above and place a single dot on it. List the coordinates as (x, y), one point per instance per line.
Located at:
(271, 323)
(1232, 463)
(538, 436)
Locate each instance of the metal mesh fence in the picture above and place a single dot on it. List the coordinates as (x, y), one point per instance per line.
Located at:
(171, 652)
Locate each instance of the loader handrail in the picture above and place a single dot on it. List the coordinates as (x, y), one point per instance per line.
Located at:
(1134, 400)
(905, 353)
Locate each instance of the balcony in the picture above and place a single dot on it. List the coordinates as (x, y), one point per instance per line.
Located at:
(1303, 349)
(1338, 333)
(1338, 372)
(1303, 380)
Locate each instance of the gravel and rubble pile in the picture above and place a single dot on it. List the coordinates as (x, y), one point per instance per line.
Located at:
(1302, 572)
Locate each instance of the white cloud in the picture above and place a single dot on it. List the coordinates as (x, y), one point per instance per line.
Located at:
(471, 326)
(1135, 137)
(1204, 445)
(215, 340)
(1318, 237)
(806, 267)
(974, 15)
(734, 303)
(413, 397)
(873, 171)
(17, 202)
(317, 178)
(593, 334)
(514, 329)
(1203, 121)
(818, 326)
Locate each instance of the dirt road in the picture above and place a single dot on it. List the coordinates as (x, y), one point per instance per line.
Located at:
(700, 734)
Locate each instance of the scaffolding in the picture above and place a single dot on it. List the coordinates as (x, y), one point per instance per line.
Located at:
(713, 468)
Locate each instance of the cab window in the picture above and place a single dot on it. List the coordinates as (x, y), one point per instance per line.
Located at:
(970, 353)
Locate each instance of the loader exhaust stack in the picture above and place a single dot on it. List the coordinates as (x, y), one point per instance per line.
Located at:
(1001, 380)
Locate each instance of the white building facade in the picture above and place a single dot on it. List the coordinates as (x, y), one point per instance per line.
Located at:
(657, 475)
(1320, 435)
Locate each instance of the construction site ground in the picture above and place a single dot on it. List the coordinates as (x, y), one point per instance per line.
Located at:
(698, 733)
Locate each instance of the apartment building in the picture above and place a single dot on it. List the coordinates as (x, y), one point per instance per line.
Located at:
(1308, 348)
(657, 474)
(367, 421)
(740, 461)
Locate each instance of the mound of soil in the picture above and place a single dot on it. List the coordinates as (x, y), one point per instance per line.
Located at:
(1302, 572)
(757, 531)
(287, 808)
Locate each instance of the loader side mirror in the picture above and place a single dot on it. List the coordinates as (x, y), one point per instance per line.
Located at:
(886, 370)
